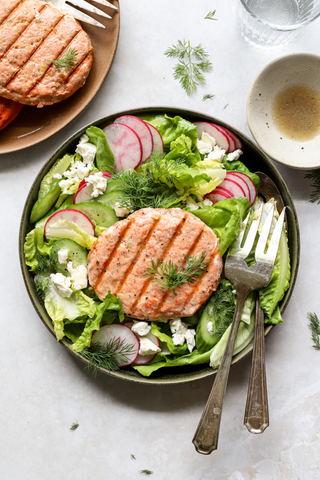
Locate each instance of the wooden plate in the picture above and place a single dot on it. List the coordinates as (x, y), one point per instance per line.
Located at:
(33, 125)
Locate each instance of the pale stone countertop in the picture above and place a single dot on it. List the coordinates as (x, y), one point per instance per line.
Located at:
(44, 390)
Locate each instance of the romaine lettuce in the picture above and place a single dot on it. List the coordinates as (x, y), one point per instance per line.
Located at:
(171, 128)
(104, 158)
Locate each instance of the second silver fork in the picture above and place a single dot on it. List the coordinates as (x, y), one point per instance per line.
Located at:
(64, 7)
(245, 279)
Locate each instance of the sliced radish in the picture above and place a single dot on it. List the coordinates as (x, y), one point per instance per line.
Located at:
(216, 197)
(143, 359)
(237, 141)
(118, 332)
(240, 181)
(233, 186)
(71, 215)
(83, 194)
(105, 174)
(157, 139)
(230, 138)
(211, 129)
(125, 145)
(142, 129)
(251, 186)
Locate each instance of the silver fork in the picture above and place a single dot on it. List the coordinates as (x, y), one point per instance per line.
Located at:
(245, 279)
(64, 7)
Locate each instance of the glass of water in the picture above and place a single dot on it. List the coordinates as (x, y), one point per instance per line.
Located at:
(272, 23)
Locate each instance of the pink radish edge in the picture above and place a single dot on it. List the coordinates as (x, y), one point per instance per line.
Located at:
(224, 130)
(157, 139)
(240, 181)
(251, 186)
(143, 359)
(125, 145)
(71, 215)
(121, 332)
(234, 187)
(142, 130)
(220, 137)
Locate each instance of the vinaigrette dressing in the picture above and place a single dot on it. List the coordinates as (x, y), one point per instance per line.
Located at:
(296, 112)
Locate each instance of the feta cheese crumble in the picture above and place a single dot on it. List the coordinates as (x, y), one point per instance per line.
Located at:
(63, 255)
(86, 149)
(217, 153)
(98, 182)
(78, 276)
(206, 144)
(62, 284)
(147, 347)
(121, 211)
(181, 333)
(193, 205)
(78, 171)
(234, 155)
(210, 327)
(141, 328)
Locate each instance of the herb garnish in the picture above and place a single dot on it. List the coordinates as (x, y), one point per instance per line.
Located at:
(68, 60)
(132, 457)
(189, 72)
(210, 16)
(170, 276)
(74, 426)
(315, 329)
(315, 176)
(208, 96)
(146, 472)
(107, 356)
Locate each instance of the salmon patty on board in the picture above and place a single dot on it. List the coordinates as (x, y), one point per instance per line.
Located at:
(123, 252)
(33, 33)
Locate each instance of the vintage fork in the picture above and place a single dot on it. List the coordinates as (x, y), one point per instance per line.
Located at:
(62, 5)
(245, 279)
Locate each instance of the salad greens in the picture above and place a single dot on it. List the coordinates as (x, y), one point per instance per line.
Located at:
(169, 179)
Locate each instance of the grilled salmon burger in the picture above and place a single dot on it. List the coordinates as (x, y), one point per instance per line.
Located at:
(33, 35)
(123, 253)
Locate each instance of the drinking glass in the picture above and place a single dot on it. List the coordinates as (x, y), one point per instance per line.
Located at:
(272, 23)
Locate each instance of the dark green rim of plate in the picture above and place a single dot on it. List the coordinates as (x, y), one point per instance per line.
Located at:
(255, 160)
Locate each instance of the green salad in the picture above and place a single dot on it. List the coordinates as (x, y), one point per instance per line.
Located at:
(157, 162)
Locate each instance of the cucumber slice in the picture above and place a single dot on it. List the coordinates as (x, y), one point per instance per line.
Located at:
(99, 213)
(110, 198)
(77, 254)
(44, 204)
(115, 184)
(59, 167)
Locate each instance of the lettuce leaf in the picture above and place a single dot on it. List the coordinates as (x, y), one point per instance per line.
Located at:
(35, 244)
(159, 331)
(182, 148)
(67, 229)
(104, 158)
(225, 219)
(60, 166)
(171, 128)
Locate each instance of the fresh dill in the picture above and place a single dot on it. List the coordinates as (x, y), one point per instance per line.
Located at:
(225, 106)
(146, 472)
(68, 60)
(208, 96)
(210, 16)
(315, 329)
(107, 356)
(170, 275)
(315, 176)
(132, 457)
(193, 63)
(74, 426)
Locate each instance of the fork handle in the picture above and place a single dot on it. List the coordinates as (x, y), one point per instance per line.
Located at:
(256, 417)
(205, 439)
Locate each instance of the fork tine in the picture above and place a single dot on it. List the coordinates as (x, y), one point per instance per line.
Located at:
(271, 254)
(247, 247)
(263, 238)
(106, 4)
(90, 8)
(80, 15)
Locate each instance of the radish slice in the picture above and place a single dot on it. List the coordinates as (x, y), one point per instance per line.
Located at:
(142, 130)
(230, 138)
(125, 145)
(83, 194)
(251, 186)
(157, 139)
(224, 191)
(237, 140)
(119, 332)
(216, 197)
(211, 129)
(105, 174)
(240, 181)
(234, 187)
(74, 216)
(143, 359)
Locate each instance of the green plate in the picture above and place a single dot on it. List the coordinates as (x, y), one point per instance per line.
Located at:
(255, 160)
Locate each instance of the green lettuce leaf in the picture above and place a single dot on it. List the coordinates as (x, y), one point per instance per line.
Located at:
(162, 332)
(60, 166)
(182, 148)
(66, 229)
(104, 157)
(35, 244)
(171, 128)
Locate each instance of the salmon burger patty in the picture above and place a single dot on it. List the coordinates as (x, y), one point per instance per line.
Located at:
(123, 252)
(33, 33)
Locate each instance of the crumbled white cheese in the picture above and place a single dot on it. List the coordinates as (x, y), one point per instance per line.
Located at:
(141, 328)
(62, 284)
(78, 276)
(63, 255)
(193, 205)
(147, 347)
(203, 147)
(210, 327)
(98, 182)
(86, 149)
(57, 176)
(234, 155)
(206, 202)
(121, 211)
(208, 139)
(181, 333)
(77, 172)
(217, 153)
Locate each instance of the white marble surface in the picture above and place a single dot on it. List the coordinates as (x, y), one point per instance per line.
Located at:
(44, 390)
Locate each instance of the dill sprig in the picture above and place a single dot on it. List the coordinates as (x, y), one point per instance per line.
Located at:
(210, 16)
(315, 176)
(208, 96)
(170, 276)
(132, 457)
(315, 329)
(68, 60)
(74, 426)
(107, 356)
(189, 72)
(146, 472)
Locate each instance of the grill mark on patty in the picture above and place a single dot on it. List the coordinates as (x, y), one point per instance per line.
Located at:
(6, 9)
(109, 260)
(168, 294)
(11, 57)
(161, 259)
